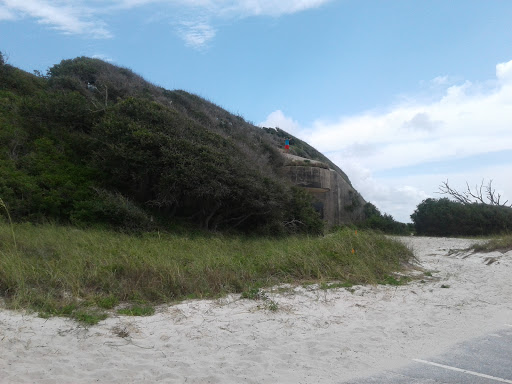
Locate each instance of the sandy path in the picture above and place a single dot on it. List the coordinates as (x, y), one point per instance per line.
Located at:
(315, 336)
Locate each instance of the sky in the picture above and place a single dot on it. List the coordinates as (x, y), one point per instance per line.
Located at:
(402, 95)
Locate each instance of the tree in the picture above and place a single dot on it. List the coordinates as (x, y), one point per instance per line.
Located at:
(374, 219)
(445, 217)
(485, 194)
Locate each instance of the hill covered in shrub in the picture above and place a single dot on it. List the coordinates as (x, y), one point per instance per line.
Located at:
(91, 143)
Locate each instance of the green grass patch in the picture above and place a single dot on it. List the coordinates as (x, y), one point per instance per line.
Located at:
(137, 311)
(52, 267)
(47, 310)
(107, 302)
(259, 294)
(88, 317)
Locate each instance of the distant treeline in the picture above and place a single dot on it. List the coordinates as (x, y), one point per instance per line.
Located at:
(444, 217)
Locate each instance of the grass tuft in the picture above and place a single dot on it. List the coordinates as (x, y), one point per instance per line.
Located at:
(107, 302)
(254, 294)
(88, 317)
(271, 305)
(390, 280)
(137, 311)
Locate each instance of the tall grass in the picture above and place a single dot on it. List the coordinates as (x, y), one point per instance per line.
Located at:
(2, 205)
(57, 269)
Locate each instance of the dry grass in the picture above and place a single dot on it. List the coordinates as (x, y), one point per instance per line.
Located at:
(500, 243)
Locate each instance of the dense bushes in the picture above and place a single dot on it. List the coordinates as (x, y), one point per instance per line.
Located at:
(374, 219)
(92, 143)
(179, 167)
(443, 217)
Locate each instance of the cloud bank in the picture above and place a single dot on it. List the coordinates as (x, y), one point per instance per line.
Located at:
(73, 18)
(399, 157)
(466, 121)
(195, 19)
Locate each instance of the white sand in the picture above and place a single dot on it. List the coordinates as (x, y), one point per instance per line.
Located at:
(315, 336)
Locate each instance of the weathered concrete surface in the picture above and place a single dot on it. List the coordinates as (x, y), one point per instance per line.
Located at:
(314, 179)
(334, 198)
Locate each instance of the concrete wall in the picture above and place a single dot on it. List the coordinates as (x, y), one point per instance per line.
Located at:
(334, 198)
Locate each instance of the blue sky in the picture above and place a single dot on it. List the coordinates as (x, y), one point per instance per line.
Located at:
(401, 94)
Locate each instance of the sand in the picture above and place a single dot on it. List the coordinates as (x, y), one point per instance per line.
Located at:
(315, 336)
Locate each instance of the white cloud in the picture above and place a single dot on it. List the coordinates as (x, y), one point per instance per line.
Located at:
(467, 121)
(422, 122)
(82, 17)
(68, 18)
(196, 34)
(397, 197)
(463, 122)
(277, 119)
(504, 72)
(232, 8)
(6, 14)
(128, 4)
(246, 8)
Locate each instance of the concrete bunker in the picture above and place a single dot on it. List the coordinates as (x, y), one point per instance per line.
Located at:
(337, 202)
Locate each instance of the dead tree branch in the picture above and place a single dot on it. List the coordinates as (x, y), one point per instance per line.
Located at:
(483, 194)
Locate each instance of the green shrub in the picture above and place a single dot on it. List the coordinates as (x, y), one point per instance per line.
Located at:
(443, 217)
(385, 223)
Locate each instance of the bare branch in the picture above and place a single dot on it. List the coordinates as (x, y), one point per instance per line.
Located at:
(483, 194)
(445, 189)
(478, 196)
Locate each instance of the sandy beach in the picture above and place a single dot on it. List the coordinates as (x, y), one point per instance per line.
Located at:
(314, 336)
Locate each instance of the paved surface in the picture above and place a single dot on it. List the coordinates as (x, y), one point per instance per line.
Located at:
(483, 360)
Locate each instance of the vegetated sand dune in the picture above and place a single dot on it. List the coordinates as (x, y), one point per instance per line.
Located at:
(314, 336)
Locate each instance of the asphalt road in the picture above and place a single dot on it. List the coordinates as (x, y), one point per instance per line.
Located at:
(482, 360)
